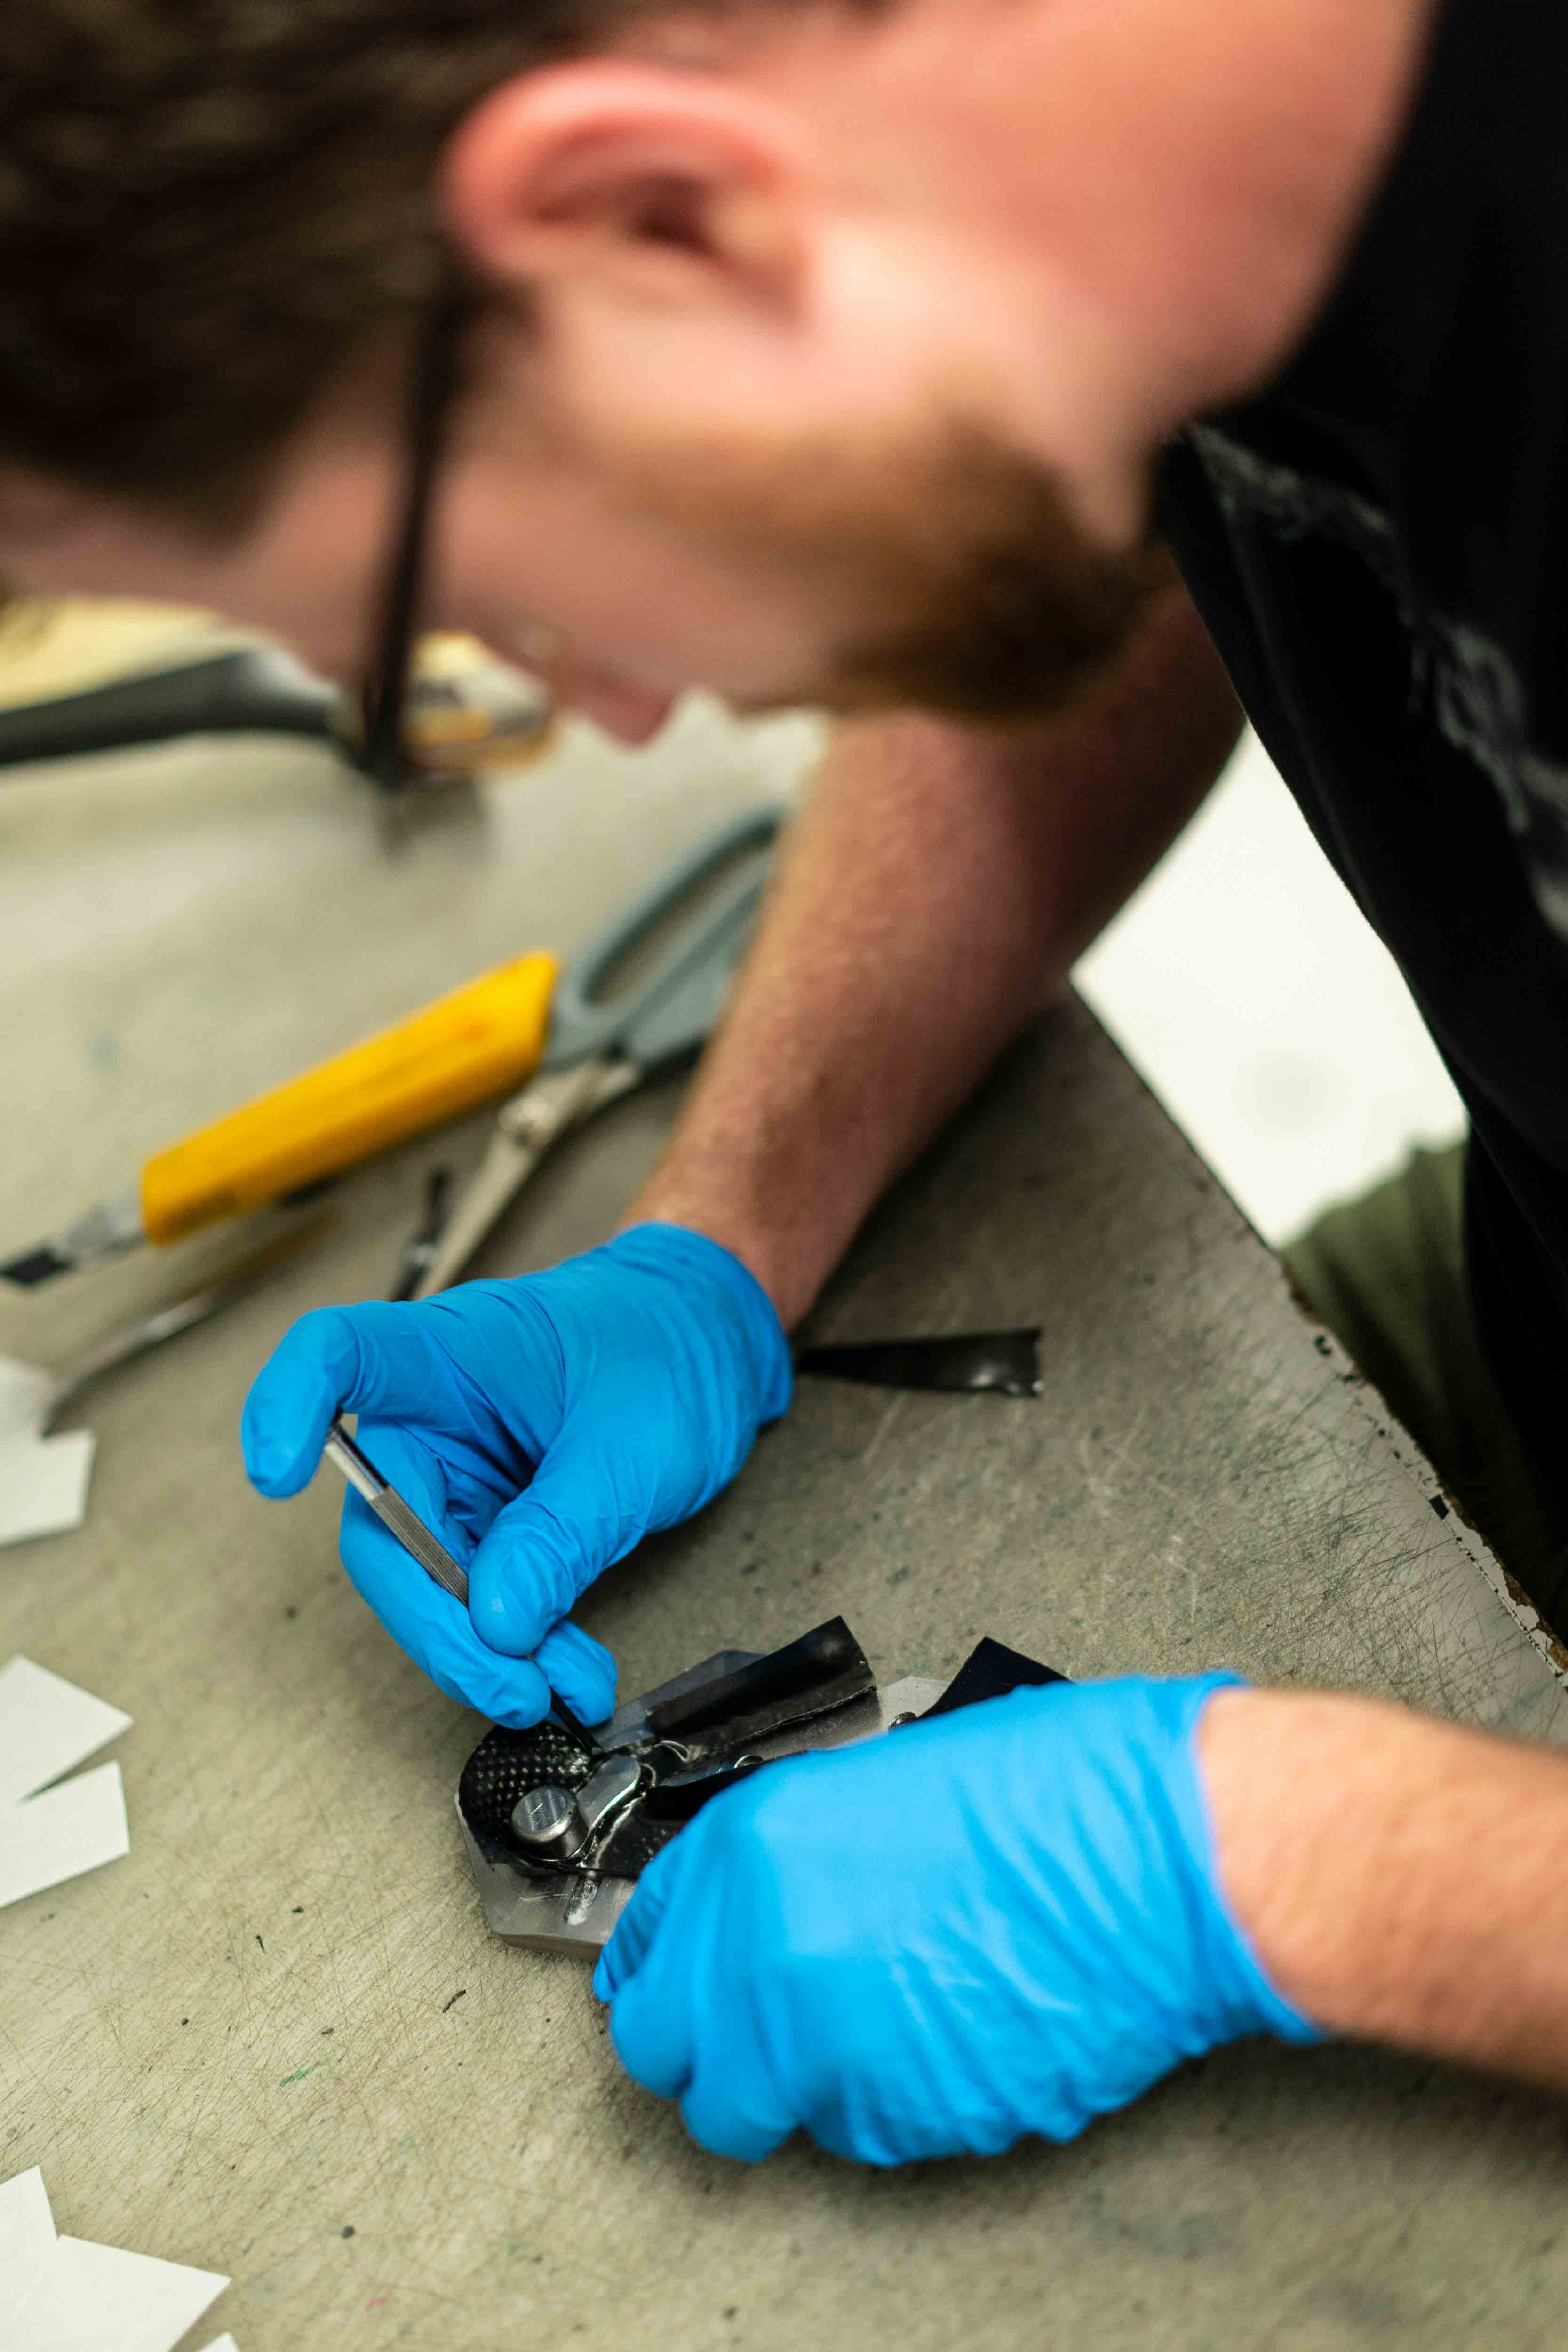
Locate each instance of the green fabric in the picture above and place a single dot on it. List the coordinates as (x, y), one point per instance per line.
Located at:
(1386, 1274)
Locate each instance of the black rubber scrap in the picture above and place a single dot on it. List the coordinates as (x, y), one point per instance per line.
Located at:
(967, 1363)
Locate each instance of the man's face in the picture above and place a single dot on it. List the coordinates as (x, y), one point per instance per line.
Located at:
(825, 351)
(807, 432)
(943, 572)
(824, 356)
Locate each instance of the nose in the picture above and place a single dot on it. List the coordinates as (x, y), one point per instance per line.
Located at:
(632, 713)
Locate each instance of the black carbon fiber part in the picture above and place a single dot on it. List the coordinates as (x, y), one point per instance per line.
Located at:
(633, 1842)
(823, 1670)
(505, 1763)
(663, 1811)
(714, 1722)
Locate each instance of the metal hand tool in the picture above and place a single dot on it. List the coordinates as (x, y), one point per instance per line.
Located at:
(462, 1051)
(448, 1058)
(421, 1245)
(60, 1390)
(557, 1833)
(602, 1044)
(417, 1540)
(463, 703)
(394, 1514)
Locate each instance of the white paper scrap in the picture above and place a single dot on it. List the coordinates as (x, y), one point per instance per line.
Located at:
(46, 1726)
(68, 2294)
(76, 1827)
(43, 1483)
(26, 2224)
(43, 1480)
(25, 1392)
(94, 2298)
(223, 2344)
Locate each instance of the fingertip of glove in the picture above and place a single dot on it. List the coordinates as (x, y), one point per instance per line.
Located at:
(285, 1416)
(276, 1462)
(590, 1694)
(580, 1669)
(526, 1699)
(504, 1622)
(716, 2121)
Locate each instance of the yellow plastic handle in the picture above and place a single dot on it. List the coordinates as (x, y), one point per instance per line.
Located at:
(458, 1052)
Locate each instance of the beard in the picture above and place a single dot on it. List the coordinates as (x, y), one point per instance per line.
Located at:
(970, 590)
(999, 608)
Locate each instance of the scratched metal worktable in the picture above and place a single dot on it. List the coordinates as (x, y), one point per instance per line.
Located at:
(276, 2041)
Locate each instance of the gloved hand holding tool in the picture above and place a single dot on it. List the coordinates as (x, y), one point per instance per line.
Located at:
(629, 1384)
(540, 1427)
(1004, 1921)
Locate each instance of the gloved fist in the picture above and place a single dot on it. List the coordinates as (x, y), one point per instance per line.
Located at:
(540, 1427)
(1002, 1922)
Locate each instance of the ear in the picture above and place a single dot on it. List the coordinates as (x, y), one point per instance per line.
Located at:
(662, 186)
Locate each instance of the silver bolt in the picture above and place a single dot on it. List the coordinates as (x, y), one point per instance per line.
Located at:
(547, 1820)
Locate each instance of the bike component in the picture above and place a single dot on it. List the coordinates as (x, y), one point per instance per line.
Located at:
(557, 1833)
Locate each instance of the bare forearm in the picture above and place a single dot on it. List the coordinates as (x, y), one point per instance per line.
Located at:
(1402, 1880)
(936, 893)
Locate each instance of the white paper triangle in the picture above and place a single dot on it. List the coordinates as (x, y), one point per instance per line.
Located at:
(47, 1726)
(43, 1480)
(26, 2225)
(69, 2294)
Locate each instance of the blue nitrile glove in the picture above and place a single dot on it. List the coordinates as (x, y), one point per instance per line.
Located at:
(1002, 1922)
(541, 1427)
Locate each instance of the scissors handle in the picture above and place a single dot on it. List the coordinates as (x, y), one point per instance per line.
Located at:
(670, 1011)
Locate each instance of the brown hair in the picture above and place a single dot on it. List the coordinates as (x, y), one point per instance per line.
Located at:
(208, 207)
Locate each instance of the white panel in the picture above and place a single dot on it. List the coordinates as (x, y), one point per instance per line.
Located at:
(47, 1726)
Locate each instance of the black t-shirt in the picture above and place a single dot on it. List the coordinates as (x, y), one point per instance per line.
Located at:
(1379, 547)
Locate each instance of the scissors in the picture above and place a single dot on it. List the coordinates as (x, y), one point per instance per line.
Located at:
(600, 1045)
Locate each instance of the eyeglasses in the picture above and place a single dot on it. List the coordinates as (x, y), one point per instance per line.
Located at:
(442, 706)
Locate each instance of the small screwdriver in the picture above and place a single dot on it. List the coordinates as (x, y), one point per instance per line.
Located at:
(417, 1539)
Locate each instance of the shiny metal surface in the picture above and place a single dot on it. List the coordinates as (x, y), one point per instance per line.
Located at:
(393, 1513)
(548, 1823)
(525, 1129)
(574, 1914)
(606, 1792)
(145, 1332)
(608, 1034)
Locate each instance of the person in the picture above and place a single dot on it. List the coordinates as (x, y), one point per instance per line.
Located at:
(1022, 380)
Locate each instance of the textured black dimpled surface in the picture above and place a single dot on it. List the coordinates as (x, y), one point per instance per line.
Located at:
(633, 1843)
(505, 1763)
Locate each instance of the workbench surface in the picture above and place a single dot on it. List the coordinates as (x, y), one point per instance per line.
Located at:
(277, 2041)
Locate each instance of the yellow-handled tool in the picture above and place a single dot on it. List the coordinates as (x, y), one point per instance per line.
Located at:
(458, 1052)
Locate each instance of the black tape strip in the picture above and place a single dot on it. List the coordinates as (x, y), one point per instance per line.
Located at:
(991, 1671)
(822, 1671)
(970, 1363)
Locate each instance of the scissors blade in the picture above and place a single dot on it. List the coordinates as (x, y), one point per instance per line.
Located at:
(525, 1129)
